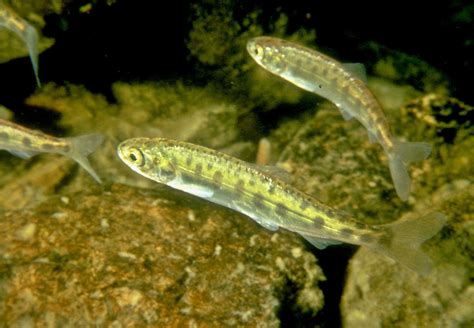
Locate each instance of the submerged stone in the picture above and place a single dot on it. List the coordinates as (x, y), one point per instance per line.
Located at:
(130, 256)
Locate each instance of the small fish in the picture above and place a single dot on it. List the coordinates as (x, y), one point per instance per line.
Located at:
(12, 21)
(254, 191)
(24, 143)
(342, 84)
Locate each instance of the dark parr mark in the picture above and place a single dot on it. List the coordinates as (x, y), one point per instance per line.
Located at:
(210, 165)
(189, 160)
(198, 169)
(217, 177)
(387, 238)
(173, 160)
(240, 186)
(367, 238)
(280, 209)
(252, 182)
(347, 232)
(47, 147)
(271, 189)
(26, 142)
(318, 222)
(65, 148)
(304, 205)
(258, 201)
(4, 136)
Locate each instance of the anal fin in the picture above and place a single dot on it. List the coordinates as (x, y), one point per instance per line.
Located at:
(319, 242)
(253, 213)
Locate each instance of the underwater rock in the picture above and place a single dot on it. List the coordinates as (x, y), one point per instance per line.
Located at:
(26, 183)
(378, 293)
(135, 257)
(333, 160)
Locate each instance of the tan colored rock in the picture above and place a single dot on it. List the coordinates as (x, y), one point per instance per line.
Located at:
(136, 257)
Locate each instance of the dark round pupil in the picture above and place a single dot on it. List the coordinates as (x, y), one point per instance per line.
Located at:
(133, 157)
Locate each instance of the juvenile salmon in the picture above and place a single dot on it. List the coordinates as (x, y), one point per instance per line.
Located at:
(13, 22)
(252, 190)
(25, 143)
(343, 85)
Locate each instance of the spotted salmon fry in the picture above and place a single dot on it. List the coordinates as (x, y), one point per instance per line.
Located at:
(27, 32)
(252, 191)
(25, 143)
(344, 85)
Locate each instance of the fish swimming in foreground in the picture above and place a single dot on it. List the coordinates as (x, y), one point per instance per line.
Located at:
(343, 85)
(255, 192)
(25, 143)
(12, 21)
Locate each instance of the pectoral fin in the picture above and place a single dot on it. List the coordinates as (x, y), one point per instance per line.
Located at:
(356, 69)
(22, 154)
(252, 212)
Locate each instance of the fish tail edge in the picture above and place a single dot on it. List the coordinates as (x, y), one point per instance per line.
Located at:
(81, 147)
(401, 240)
(404, 153)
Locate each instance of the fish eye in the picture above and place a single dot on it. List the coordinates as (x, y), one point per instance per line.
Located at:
(136, 157)
(257, 51)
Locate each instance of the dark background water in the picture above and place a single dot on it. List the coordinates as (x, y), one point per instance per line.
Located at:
(146, 40)
(143, 40)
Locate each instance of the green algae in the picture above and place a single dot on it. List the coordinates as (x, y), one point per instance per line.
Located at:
(218, 41)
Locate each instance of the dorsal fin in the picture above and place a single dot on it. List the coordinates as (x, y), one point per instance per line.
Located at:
(356, 69)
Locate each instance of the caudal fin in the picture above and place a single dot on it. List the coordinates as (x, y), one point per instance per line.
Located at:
(401, 240)
(31, 39)
(404, 153)
(81, 147)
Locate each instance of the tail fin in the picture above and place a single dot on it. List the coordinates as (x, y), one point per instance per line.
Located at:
(31, 39)
(402, 239)
(404, 153)
(81, 147)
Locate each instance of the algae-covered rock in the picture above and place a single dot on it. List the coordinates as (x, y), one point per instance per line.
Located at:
(227, 28)
(378, 294)
(133, 257)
